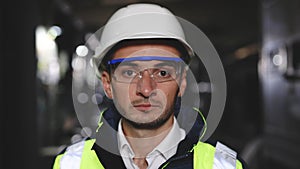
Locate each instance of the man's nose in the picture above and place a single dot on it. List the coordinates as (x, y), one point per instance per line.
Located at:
(146, 84)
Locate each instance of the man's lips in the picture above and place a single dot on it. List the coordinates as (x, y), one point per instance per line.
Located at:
(144, 106)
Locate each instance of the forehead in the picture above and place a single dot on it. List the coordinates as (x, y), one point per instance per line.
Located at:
(146, 50)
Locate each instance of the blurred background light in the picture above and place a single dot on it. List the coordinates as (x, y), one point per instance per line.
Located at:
(76, 138)
(277, 60)
(47, 56)
(82, 98)
(86, 132)
(78, 64)
(204, 87)
(92, 41)
(55, 31)
(97, 98)
(82, 50)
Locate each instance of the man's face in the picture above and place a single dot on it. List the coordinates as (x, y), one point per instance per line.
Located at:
(144, 91)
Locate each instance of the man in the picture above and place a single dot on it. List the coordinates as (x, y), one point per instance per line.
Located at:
(142, 62)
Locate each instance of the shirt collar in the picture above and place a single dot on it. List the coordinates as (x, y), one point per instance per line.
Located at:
(171, 141)
(123, 145)
(175, 135)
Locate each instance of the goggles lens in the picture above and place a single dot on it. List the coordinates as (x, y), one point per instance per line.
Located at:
(131, 70)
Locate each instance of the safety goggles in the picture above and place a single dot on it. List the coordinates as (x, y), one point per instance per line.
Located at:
(160, 69)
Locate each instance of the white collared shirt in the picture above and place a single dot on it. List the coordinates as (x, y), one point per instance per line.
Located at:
(161, 153)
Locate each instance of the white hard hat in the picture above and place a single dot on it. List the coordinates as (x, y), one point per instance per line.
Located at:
(140, 21)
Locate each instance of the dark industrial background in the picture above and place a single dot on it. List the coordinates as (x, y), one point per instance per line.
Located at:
(257, 41)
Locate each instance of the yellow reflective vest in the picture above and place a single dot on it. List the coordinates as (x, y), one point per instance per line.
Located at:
(206, 156)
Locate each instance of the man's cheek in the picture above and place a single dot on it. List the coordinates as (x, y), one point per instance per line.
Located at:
(122, 91)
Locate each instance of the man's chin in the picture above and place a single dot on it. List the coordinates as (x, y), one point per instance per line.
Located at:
(148, 125)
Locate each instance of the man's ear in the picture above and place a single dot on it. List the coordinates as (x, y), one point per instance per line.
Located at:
(183, 83)
(106, 83)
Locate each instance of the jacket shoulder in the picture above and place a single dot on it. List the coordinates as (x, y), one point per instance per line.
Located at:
(70, 157)
(208, 156)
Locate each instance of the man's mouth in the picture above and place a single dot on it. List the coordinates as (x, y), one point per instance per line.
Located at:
(144, 106)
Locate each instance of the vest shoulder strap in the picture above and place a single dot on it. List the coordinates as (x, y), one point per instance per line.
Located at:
(220, 157)
(79, 156)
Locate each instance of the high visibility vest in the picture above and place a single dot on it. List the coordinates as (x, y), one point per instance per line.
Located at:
(206, 156)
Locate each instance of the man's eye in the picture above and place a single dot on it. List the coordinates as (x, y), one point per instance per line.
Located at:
(129, 73)
(163, 73)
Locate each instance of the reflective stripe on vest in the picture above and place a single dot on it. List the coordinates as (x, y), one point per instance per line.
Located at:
(209, 157)
(224, 156)
(72, 156)
(81, 156)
